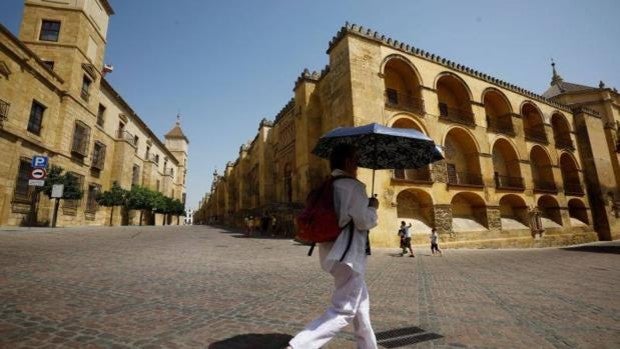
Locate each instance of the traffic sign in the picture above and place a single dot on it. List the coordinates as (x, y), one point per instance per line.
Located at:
(36, 182)
(38, 173)
(39, 161)
(57, 190)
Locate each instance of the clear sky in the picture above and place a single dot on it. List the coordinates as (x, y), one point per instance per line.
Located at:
(227, 64)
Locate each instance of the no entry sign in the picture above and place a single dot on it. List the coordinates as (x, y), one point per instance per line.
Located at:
(38, 173)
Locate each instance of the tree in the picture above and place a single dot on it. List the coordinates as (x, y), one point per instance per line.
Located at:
(140, 198)
(71, 190)
(116, 196)
(178, 209)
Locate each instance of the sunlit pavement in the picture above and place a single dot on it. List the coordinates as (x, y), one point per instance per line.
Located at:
(203, 287)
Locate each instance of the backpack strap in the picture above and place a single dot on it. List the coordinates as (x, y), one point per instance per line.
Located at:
(351, 225)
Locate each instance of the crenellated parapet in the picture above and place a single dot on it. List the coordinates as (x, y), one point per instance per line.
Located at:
(314, 76)
(290, 105)
(369, 34)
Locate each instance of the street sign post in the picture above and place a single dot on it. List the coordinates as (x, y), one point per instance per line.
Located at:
(36, 182)
(37, 177)
(57, 192)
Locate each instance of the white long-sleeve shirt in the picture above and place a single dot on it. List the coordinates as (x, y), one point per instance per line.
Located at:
(350, 202)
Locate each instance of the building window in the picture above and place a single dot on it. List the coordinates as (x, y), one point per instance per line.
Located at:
(85, 92)
(136, 139)
(91, 198)
(49, 64)
(23, 191)
(148, 153)
(81, 135)
(135, 175)
(98, 155)
(157, 159)
(101, 115)
(36, 117)
(49, 31)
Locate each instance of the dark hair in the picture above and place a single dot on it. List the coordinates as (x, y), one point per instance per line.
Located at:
(433, 229)
(402, 222)
(340, 154)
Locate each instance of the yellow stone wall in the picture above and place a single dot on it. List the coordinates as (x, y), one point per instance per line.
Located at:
(468, 209)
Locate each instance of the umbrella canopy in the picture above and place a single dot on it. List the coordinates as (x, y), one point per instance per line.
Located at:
(381, 147)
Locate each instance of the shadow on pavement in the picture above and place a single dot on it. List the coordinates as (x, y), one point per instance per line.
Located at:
(595, 248)
(254, 341)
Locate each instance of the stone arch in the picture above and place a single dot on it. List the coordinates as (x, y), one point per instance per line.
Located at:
(550, 212)
(402, 85)
(444, 74)
(454, 99)
(462, 157)
(402, 59)
(578, 212)
(542, 172)
(468, 212)
(561, 131)
(498, 112)
(506, 165)
(570, 174)
(514, 212)
(406, 120)
(533, 123)
(498, 93)
(416, 207)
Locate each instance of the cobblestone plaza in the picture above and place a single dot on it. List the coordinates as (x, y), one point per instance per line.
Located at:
(203, 287)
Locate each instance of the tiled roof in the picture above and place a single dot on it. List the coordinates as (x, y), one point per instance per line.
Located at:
(562, 87)
(177, 133)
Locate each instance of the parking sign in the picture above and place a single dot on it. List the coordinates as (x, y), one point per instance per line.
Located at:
(39, 161)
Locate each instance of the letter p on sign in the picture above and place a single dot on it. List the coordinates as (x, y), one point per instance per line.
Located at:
(39, 161)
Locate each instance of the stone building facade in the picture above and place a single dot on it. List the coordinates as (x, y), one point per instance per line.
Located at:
(519, 167)
(55, 101)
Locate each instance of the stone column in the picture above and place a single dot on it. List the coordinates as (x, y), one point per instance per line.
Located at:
(443, 219)
(494, 218)
(439, 172)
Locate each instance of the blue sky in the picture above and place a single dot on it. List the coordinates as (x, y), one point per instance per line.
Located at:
(225, 65)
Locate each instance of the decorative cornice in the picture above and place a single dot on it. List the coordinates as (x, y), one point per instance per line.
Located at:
(584, 110)
(285, 109)
(372, 35)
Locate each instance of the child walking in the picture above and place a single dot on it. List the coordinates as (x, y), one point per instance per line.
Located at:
(434, 246)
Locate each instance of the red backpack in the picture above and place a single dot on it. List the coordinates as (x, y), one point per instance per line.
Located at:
(318, 222)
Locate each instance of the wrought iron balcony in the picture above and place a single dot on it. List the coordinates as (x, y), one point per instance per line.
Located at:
(501, 124)
(508, 182)
(563, 141)
(544, 185)
(415, 175)
(536, 134)
(404, 101)
(573, 188)
(126, 136)
(457, 115)
(465, 178)
(4, 110)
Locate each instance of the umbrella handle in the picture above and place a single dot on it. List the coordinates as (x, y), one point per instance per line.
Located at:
(373, 183)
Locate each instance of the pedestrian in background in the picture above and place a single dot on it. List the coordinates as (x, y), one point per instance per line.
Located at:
(406, 239)
(434, 246)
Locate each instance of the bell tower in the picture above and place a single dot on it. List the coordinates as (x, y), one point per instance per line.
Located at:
(178, 144)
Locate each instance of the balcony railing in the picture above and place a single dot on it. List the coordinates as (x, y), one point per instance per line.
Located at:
(126, 136)
(465, 178)
(4, 110)
(405, 101)
(573, 188)
(563, 141)
(536, 134)
(457, 115)
(544, 185)
(508, 182)
(501, 124)
(416, 175)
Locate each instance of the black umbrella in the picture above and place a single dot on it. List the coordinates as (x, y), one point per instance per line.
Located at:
(381, 147)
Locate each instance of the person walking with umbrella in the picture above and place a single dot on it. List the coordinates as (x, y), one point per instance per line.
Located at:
(346, 263)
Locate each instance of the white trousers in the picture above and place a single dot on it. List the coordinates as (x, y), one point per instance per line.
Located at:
(350, 303)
